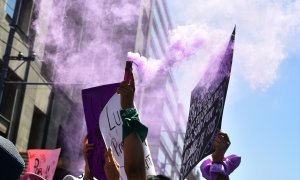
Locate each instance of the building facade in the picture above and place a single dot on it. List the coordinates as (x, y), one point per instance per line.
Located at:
(32, 111)
(26, 104)
(159, 103)
(165, 136)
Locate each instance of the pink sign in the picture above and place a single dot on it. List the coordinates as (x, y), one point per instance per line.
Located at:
(43, 162)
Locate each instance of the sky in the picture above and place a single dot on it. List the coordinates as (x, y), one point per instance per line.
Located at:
(10, 7)
(262, 111)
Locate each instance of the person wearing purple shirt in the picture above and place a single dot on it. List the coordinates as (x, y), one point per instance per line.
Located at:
(220, 167)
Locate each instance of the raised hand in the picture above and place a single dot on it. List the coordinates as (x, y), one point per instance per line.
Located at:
(126, 90)
(87, 147)
(221, 144)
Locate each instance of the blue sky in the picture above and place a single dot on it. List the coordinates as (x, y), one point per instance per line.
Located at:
(262, 111)
(264, 127)
(10, 7)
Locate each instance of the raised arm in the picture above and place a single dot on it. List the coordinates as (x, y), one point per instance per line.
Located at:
(87, 147)
(221, 144)
(111, 168)
(220, 167)
(134, 133)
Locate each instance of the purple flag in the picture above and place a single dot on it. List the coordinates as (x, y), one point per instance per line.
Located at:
(94, 101)
(206, 110)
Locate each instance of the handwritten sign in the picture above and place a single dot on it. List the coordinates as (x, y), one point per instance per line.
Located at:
(104, 125)
(206, 110)
(43, 162)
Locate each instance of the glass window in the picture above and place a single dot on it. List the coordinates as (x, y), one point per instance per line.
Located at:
(180, 142)
(178, 160)
(168, 169)
(171, 92)
(169, 118)
(156, 43)
(161, 157)
(10, 7)
(152, 51)
(168, 142)
(26, 15)
(162, 9)
(160, 28)
(160, 41)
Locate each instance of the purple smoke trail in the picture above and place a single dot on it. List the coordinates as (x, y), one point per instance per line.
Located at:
(184, 43)
(82, 39)
(86, 42)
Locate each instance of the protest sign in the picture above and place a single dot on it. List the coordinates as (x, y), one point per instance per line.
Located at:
(43, 162)
(104, 125)
(206, 110)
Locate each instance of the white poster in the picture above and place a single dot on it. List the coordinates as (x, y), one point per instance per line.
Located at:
(110, 124)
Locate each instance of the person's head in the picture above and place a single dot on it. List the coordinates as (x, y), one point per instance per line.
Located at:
(70, 177)
(11, 163)
(222, 177)
(31, 176)
(157, 177)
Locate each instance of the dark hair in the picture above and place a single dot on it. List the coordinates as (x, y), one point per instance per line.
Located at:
(222, 177)
(157, 177)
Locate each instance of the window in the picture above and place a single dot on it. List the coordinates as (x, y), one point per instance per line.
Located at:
(178, 159)
(10, 93)
(37, 131)
(172, 94)
(10, 7)
(165, 137)
(145, 23)
(160, 29)
(4, 123)
(168, 117)
(154, 42)
(161, 157)
(168, 169)
(180, 142)
(25, 16)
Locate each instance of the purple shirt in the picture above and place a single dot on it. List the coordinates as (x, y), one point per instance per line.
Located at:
(210, 170)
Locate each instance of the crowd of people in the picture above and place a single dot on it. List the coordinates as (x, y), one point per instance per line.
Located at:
(134, 133)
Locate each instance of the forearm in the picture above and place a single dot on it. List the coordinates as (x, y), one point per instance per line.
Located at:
(87, 174)
(218, 156)
(134, 160)
(134, 133)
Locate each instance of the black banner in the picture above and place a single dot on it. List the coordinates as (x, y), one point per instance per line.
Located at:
(206, 110)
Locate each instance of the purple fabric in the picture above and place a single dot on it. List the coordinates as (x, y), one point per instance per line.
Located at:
(94, 100)
(210, 170)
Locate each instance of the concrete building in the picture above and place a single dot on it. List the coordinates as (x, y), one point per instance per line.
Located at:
(32, 110)
(25, 107)
(159, 104)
